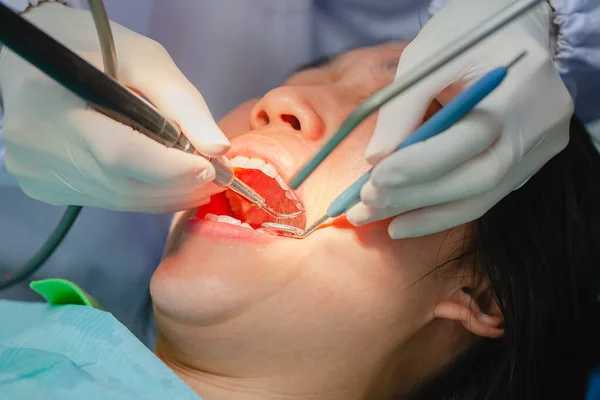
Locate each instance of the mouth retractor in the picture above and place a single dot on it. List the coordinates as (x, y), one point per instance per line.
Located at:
(292, 231)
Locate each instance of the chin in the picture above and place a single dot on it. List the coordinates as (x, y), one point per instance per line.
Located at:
(206, 279)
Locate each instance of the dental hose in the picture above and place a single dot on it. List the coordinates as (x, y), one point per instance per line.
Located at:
(54, 240)
(109, 59)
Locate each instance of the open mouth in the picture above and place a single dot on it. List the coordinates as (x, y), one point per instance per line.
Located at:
(230, 208)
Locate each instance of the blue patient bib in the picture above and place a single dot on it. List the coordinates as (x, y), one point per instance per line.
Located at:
(78, 352)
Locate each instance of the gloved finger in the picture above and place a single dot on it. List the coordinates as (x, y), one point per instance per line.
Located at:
(484, 173)
(432, 158)
(49, 193)
(480, 175)
(393, 127)
(155, 208)
(60, 198)
(375, 196)
(41, 102)
(132, 195)
(13, 162)
(401, 116)
(154, 205)
(124, 151)
(160, 208)
(60, 188)
(142, 194)
(81, 174)
(133, 189)
(362, 214)
(429, 220)
(116, 184)
(418, 219)
(39, 180)
(165, 86)
(170, 209)
(423, 221)
(118, 192)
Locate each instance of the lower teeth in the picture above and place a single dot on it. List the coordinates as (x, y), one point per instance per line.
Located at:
(231, 221)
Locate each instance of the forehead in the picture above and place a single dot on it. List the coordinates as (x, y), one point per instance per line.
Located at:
(383, 55)
(375, 61)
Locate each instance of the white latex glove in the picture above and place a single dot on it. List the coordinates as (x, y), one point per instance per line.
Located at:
(64, 153)
(457, 176)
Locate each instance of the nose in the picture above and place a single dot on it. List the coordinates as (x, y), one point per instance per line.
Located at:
(288, 107)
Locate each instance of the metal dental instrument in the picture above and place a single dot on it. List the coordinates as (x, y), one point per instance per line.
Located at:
(412, 77)
(441, 121)
(225, 178)
(107, 95)
(105, 36)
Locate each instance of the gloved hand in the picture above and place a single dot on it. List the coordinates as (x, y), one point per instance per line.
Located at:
(64, 153)
(457, 176)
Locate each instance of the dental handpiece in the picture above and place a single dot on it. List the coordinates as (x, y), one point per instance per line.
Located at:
(108, 96)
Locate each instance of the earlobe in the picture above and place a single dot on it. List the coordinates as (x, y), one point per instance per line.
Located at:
(464, 308)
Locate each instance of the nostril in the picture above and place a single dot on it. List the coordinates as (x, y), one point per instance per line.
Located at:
(262, 118)
(292, 120)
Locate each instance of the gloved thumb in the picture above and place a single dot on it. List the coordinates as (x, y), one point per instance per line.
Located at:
(401, 116)
(165, 86)
(395, 122)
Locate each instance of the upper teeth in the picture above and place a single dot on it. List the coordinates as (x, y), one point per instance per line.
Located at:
(261, 165)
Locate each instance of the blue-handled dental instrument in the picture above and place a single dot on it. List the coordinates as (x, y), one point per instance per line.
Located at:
(444, 119)
(415, 75)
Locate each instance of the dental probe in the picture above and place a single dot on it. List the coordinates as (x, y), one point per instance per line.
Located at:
(441, 121)
(107, 95)
(412, 77)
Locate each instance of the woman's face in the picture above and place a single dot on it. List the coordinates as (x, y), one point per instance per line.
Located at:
(341, 288)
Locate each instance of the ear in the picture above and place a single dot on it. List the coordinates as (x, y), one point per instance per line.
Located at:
(483, 319)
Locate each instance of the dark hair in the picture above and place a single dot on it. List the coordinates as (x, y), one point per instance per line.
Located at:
(539, 249)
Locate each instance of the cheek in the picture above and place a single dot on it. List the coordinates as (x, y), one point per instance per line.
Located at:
(361, 279)
(176, 234)
(348, 160)
(340, 170)
(236, 122)
(358, 282)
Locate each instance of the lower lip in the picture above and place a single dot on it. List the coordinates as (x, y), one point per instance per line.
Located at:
(222, 230)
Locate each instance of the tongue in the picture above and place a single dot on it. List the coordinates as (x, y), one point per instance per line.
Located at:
(219, 205)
